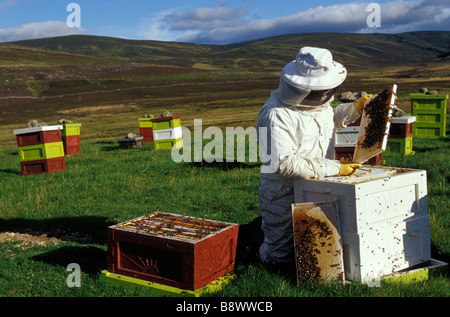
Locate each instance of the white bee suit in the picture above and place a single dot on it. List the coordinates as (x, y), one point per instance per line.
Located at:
(303, 142)
(298, 142)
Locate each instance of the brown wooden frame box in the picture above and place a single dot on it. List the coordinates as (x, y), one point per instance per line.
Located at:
(175, 250)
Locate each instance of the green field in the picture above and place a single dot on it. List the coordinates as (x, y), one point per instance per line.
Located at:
(51, 220)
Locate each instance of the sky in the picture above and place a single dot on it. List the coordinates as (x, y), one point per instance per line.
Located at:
(215, 21)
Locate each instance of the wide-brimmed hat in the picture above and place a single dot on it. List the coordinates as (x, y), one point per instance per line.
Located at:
(314, 69)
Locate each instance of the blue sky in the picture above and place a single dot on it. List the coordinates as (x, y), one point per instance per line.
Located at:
(217, 21)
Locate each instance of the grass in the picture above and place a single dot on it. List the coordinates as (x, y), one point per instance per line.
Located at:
(105, 185)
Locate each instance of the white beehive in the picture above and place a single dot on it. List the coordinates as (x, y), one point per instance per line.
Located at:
(167, 134)
(347, 136)
(379, 197)
(381, 251)
(383, 218)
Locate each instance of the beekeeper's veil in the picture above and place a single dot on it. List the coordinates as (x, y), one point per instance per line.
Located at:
(311, 79)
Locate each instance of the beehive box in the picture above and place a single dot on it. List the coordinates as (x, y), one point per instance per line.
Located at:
(71, 144)
(372, 195)
(147, 134)
(347, 136)
(399, 146)
(38, 135)
(168, 144)
(40, 150)
(430, 112)
(57, 164)
(384, 250)
(145, 122)
(146, 129)
(167, 134)
(401, 127)
(71, 134)
(71, 129)
(175, 250)
(374, 203)
(127, 143)
(166, 122)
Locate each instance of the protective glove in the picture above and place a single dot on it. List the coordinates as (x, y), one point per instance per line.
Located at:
(347, 167)
(359, 104)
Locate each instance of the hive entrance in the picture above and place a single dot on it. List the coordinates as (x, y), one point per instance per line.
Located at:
(172, 225)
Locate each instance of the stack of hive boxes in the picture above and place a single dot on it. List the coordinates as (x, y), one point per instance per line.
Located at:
(383, 219)
(400, 140)
(40, 149)
(430, 112)
(146, 129)
(71, 138)
(167, 132)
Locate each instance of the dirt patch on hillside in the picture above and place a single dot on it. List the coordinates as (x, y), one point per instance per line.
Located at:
(97, 110)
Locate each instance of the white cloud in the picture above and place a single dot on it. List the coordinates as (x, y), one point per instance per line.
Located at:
(38, 30)
(233, 24)
(153, 28)
(7, 3)
(205, 18)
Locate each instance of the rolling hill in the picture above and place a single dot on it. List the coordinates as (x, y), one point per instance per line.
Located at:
(354, 50)
(92, 78)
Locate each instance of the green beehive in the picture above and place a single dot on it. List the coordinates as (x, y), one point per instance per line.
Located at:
(399, 146)
(430, 112)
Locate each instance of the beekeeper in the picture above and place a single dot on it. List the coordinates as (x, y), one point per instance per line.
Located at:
(296, 135)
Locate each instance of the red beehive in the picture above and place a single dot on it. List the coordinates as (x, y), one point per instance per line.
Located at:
(57, 164)
(147, 133)
(179, 251)
(347, 152)
(38, 137)
(71, 144)
(402, 127)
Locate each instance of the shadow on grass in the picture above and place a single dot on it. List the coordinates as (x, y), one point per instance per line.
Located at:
(85, 229)
(110, 148)
(10, 171)
(441, 256)
(224, 166)
(91, 260)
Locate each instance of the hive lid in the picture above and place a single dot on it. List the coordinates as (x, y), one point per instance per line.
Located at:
(138, 138)
(404, 119)
(165, 118)
(375, 123)
(38, 129)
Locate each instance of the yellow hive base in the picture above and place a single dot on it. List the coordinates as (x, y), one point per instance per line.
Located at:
(160, 289)
(415, 274)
